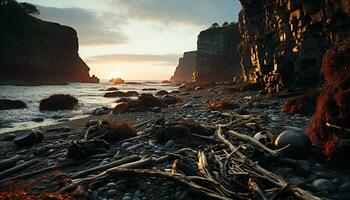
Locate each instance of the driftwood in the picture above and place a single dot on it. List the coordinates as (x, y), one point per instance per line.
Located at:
(9, 162)
(18, 168)
(107, 166)
(258, 144)
(265, 174)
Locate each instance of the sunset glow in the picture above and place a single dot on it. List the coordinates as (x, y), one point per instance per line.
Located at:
(123, 38)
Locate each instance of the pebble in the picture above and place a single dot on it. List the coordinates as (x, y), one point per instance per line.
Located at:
(324, 185)
(112, 193)
(91, 122)
(125, 145)
(156, 109)
(111, 185)
(39, 151)
(127, 198)
(9, 137)
(170, 143)
(345, 188)
(157, 151)
(187, 106)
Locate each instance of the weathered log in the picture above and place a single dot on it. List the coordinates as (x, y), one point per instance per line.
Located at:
(18, 168)
(106, 166)
(258, 144)
(9, 162)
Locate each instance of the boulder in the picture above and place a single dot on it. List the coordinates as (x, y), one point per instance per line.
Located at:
(299, 144)
(29, 138)
(162, 93)
(59, 102)
(7, 104)
(121, 94)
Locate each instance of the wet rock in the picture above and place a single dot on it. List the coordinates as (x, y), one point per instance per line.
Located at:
(30, 138)
(111, 185)
(162, 93)
(91, 122)
(149, 89)
(170, 143)
(6, 104)
(112, 193)
(112, 89)
(198, 88)
(241, 111)
(59, 102)
(324, 185)
(296, 181)
(127, 198)
(101, 111)
(300, 144)
(39, 151)
(122, 94)
(38, 119)
(156, 109)
(345, 188)
(9, 137)
(187, 106)
(125, 145)
(184, 93)
(170, 99)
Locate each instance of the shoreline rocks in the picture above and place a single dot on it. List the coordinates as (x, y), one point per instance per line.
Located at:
(58, 102)
(7, 104)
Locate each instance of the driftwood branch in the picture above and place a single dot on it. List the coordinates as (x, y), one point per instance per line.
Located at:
(18, 168)
(9, 162)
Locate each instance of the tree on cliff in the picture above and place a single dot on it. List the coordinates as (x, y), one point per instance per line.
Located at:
(215, 25)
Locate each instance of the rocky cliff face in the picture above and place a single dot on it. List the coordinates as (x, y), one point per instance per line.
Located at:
(283, 41)
(184, 70)
(33, 51)
(217, 56)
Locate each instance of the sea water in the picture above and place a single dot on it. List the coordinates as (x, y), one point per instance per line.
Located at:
(90, 97)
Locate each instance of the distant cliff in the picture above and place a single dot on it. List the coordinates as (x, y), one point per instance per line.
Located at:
(187, 63)
(33, 51)
(283, 41)
(217, 55)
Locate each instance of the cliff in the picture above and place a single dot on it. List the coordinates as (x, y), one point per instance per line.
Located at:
(217, 55)
(283, 41)
(33, 51)
(187, 64)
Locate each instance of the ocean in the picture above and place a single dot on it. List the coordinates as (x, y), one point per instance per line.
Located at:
(90, 97)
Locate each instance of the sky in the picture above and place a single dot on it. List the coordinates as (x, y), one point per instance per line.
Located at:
(136, 39)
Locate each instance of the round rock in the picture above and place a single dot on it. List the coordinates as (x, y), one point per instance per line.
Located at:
(324, 185)
(300, 144)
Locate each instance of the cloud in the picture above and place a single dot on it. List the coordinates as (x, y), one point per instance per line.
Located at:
(92, 28)
(167, 59)
(192, 12)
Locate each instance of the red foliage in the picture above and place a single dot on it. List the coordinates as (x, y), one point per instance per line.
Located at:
(333, 105)
(20, 194)
(222, 105)
(303, 104)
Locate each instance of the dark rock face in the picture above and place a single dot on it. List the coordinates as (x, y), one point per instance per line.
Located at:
(283, 41)
(184, 70)
(33, 51)
(217, 55)
(59, 102)
(6, 104)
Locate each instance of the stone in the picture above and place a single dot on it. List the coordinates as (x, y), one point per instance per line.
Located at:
(127, 198)
(58, 102)
(170, 144)
(125, 145)
(324, 185)
(296, 181)
(111, 185)
(345, 188)
(101, 111)
(29, 138)
(156, 109)
(91, 122)
(300, 144)
(170, 99)
(187, 106)
(9, 137)
(112, 193)
(162, 93)
(7, 104)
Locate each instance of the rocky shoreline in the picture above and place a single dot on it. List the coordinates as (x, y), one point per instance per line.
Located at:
(323, 179)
